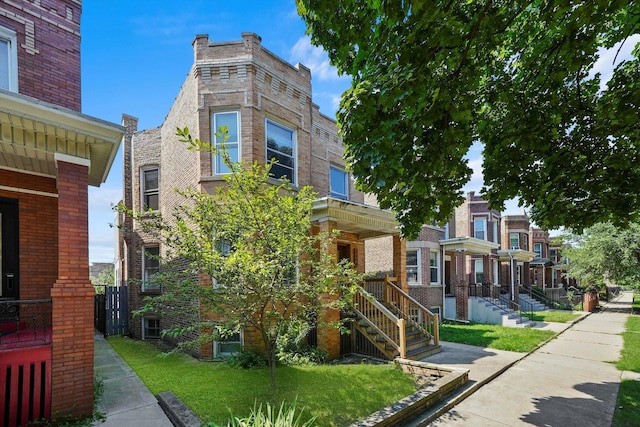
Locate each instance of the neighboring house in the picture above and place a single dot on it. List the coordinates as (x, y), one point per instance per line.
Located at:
(267, 105)
(49, 154)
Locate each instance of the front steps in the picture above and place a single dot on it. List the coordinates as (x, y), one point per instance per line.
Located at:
(506, 316)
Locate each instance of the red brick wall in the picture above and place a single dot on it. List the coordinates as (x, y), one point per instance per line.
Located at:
(72, 295)
(48, 33)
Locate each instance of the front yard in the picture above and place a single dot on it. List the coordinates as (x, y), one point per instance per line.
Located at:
(336, 394)
(522, 340)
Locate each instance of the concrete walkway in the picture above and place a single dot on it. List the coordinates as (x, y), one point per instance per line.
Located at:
(126, 401)
(570, 381)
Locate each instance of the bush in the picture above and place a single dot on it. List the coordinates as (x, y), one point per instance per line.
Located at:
(248, 359)
(306, 356)
(292, 350)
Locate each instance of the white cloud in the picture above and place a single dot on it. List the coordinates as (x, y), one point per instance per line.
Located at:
(315, 58)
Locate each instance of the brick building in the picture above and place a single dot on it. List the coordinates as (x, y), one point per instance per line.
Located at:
(267, 105)
(49, 153)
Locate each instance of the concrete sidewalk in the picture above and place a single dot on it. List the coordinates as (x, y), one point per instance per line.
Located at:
(126, 401)
(570, 381)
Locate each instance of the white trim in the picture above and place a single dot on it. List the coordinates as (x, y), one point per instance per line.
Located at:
(66, 158)
(217, 354)
(26, 191)
(437, 267)
(214, 129)
(142, 185)
(476, 270)
(484, 228)
(347, 182)
(12, 56)
(418, 265)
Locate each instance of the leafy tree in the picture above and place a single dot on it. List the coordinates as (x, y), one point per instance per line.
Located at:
(605, 253)
(104, 278)
(431, 77)
(244, 257)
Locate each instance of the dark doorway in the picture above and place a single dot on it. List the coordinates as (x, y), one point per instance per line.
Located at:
(9, 267)
(344, 252)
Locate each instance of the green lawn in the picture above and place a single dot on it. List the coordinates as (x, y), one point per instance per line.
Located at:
(628, 407)
(561, 316)
(336, 394)
(522, 340)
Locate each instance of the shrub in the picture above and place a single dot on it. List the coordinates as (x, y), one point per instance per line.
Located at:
(285, 417)
(248, 359)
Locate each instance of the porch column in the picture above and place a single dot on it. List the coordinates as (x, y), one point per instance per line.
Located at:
(329, 337)
(462, 286)
(72, 294)
(400, 262)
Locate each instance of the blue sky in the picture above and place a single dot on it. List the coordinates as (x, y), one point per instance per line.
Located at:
(136, 54)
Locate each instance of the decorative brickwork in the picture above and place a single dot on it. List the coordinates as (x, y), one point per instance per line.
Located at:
(462, 287)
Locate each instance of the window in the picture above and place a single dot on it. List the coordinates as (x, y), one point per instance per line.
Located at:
(150, 328)
(8, 60)
(231, 144)
(413, 266)
(339, 182)
(496, 278)
(518, 275)
(554, 255)
(479, 229)
(537, 248)
(514, 241)
(479, 271)
(526, 242)
(281, 147)
(433, 264)
(231, 345)
(149, 189)
(495, 232)
(150, 266)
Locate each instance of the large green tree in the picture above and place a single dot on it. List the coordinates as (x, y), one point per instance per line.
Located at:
(244, 257)
(429, 78)
(605, 254)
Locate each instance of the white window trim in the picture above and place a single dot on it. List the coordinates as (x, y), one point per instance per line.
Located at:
(495, 232)
(11, 38)
(418, 261)
(534, 249)
(484, 228)
(218, 354)
(214, 129)
(476, 270)
(143, 188)
(294, 155)
(437, 267)
(512, 246)
(496, 272)
(346, 183)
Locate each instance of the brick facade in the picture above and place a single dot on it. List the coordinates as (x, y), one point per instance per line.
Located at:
(48, 35)
(247, 79)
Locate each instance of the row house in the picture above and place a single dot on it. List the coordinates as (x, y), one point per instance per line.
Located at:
(266, 103)
(49, 154)
(478, 250)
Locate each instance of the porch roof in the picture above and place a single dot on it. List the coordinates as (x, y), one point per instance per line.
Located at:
(34, 132)
(517, 254)
(541, 262)
(470, 245)
(365, 220)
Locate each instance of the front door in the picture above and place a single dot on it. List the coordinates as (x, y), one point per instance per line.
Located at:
(9, 271)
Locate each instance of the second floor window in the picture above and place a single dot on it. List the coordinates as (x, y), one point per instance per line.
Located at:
(149, 189)
(537, 248)
(8, 60)
(413, 266)
(150, 266)
(339, 182)
(479, 229)
(433, 265)
(231, 145)
(281, 146)
(514, 241)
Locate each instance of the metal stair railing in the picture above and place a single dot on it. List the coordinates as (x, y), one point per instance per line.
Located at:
(537, 295)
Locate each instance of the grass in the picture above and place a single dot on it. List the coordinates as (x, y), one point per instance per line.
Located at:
(562, 316)
(635, 306)
(628, 406)
(522, 340)
(336, 394)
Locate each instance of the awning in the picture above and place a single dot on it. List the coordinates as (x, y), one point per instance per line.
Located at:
(470, 245)
(33, 132)
(517, 254)
(541, 262)
(366, 221)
